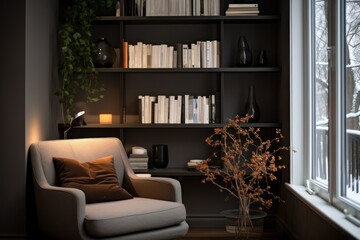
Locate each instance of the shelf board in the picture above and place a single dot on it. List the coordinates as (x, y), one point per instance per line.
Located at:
(170, 172)
(190, 70)
(186, 19)
(172, 126)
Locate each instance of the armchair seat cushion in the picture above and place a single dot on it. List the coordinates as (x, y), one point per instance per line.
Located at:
(131, 215)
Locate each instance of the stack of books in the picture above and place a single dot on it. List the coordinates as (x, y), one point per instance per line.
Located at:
(139, 160)
(192, 164)
(242, 9)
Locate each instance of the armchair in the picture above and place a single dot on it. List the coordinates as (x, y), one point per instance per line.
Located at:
(155, 211)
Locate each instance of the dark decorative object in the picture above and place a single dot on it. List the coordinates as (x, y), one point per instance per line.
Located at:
(262, 59)
(251, 106)
(160, 156)
(105, 55)
(244, 58)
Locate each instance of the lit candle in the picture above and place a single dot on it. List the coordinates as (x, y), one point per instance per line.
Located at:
(105, 118)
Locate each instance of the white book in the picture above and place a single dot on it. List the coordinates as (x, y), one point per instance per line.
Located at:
(131, 56)
(170, 58)
(172, 7)
(138, 55)
(242, 11)
(182, 8)
(191, 109)
(186, 108)
(214, 53)
(147, 109)
(197, 7)
(188, 7)
(185, 55)
(206, 110)
(203, 54)
(200, 106)
(172, 112)
(217, 8)
(239, 5)
(155, 56)
(208, 54)
(161, 102)
(189, 61)
(144, 56)
(241, 14)
(179, 109)
(218, 54)
(156, 112)
(163, 54)
(166, 114)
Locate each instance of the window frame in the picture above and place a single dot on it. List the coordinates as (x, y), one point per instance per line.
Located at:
(300, 170)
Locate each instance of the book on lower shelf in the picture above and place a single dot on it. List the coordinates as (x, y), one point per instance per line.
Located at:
(200, 54)
(176, 109)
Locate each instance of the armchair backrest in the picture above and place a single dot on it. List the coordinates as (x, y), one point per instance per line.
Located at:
(88, 149)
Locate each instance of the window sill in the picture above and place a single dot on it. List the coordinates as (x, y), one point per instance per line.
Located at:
(331, 214)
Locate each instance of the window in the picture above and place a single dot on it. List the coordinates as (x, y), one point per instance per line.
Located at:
(350, 186)
(334, 167)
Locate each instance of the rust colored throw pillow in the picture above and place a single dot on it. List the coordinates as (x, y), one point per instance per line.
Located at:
(97, 178)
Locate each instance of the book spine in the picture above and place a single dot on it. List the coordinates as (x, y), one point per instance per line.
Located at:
(125, 55)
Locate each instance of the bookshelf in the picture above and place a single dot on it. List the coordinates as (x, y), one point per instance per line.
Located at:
(266, 31)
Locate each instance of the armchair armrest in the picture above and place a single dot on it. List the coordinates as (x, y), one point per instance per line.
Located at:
(62, 210)
(160, 188)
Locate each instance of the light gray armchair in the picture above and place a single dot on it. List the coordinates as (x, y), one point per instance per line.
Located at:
(155, 212)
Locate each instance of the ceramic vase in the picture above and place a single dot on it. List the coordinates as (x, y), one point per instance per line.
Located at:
(251, 107)
(105, 54)
(244, 55)
(160, 156)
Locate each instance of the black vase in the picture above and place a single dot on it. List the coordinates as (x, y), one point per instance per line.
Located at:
(244, 55)
(252, 107)
(105, 54)
(262, 59)
(160, 156)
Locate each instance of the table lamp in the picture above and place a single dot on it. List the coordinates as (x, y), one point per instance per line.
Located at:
(74, 122)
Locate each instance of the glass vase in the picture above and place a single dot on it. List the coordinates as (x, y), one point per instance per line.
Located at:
(244, 58)
(251, 107)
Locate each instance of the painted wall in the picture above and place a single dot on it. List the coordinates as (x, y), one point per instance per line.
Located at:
(27, 81)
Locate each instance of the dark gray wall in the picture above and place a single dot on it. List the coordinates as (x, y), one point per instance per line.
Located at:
(28, 71)
(12, 105)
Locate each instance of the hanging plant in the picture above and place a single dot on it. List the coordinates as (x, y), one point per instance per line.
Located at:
(77, 70)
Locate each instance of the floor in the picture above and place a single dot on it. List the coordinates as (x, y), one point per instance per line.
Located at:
(221, 234)
(269, 230)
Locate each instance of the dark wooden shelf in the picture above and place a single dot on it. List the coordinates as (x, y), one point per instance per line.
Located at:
(186, 19)
(190, 70)
(170, 172)
(172, 126)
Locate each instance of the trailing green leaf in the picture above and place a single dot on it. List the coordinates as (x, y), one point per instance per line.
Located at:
(77, 69)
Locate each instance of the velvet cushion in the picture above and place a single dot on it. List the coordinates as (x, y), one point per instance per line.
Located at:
(97, 178)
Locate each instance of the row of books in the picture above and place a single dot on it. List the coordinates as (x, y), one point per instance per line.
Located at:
(202, 54)
(242, 9)
(178, 109)
(172, 7)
